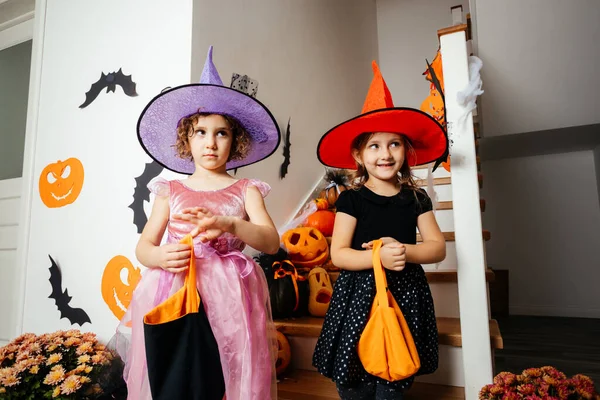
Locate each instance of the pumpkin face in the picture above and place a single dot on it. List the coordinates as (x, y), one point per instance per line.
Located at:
(322, 220)
(284, 354)
(321, 291)
(306, 246)
(116, 293)
(61, 182)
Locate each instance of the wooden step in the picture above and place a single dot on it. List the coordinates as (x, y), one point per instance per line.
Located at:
(448, 205)
(436, 276)
(303, 385)
(450, 237)
(445, 181)
(448, 330)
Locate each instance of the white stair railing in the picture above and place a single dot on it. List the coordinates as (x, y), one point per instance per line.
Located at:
(474, 317)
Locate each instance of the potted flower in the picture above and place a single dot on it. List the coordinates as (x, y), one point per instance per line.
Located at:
(60, 365)
(545, 383)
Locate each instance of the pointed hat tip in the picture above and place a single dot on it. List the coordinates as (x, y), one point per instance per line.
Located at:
(209, 73)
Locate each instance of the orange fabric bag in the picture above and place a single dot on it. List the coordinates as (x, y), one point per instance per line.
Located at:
(386, 347)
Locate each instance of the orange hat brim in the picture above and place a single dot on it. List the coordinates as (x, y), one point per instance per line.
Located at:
(424, 132)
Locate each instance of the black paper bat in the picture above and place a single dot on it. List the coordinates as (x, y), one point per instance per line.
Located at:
(438, 86)
(62, 299)
(141, 193)
(286, 153)
(110, 82)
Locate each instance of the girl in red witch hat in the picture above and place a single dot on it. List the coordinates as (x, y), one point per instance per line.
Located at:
(381, 144)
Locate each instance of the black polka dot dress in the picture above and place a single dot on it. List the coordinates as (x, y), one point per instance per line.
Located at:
(377, 216)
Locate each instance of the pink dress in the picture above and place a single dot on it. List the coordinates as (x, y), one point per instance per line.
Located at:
(233, 290)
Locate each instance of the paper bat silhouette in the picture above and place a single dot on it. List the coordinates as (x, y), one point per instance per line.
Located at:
(62, 299)
(141, 193)
(110, 82)
(286, 153)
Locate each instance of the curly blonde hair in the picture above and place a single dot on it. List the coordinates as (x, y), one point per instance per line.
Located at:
(185, 129)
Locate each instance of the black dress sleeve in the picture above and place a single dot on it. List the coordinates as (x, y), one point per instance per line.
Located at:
(423, 202)
(347, 203)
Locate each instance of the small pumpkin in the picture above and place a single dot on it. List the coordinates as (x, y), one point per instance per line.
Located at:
(337, 182)
(61, 182)
(322, 204)
(116, 293)
(321, 291)
(322, 220)
(306, 246)
(284, 354)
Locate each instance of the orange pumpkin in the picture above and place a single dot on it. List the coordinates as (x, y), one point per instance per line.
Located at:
(116, 293)
(321, 291)
(284, 354)
(306, 246)
(332, 192)
(61, 182)
(322, 204)
(322, 220)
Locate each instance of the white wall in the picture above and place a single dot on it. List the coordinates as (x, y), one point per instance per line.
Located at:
(312, 61)
(152, 42)
(407, 32)
(544, 215)
(539, 64)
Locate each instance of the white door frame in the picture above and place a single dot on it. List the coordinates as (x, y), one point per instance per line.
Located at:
(27, 27)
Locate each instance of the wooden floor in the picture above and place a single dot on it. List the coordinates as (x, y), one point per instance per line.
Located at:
(305, 385)
(570, 344)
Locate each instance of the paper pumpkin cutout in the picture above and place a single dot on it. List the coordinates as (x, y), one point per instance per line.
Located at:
(306, 246)
(61, 182)
(62, 299)
(116, 293)
(321, 291)
(284, 354)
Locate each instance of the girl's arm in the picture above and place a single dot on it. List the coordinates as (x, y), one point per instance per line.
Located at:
(342, 254)
(433, 247)
(172, 257)
(260, 232)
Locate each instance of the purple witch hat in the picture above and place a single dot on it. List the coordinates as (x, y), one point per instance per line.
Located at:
(157, 125)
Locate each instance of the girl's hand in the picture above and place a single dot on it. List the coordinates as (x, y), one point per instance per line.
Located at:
(384, 240)
(393, 256)
(173, 257)
(208, 225)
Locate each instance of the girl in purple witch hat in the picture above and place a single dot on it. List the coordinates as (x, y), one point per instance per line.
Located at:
(204, 130)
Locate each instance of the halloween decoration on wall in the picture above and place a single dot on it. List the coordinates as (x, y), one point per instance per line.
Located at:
(116, 293)
(62, 299)
(61, 182)
(286, 153)
(284, 354)
(322, 220)
(288, 290)
(320, 292)
(141, 193)
(110, 82)
(244, 84)
(338, 181)
(435, 103)
(306, 246)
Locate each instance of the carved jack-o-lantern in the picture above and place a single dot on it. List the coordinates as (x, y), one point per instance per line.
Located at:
(61, 182)
(320, 292)
(306, 247)
(284, 354)
(116, 293)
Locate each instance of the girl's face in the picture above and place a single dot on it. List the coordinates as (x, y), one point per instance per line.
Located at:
(382, 156)
(210, 142)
